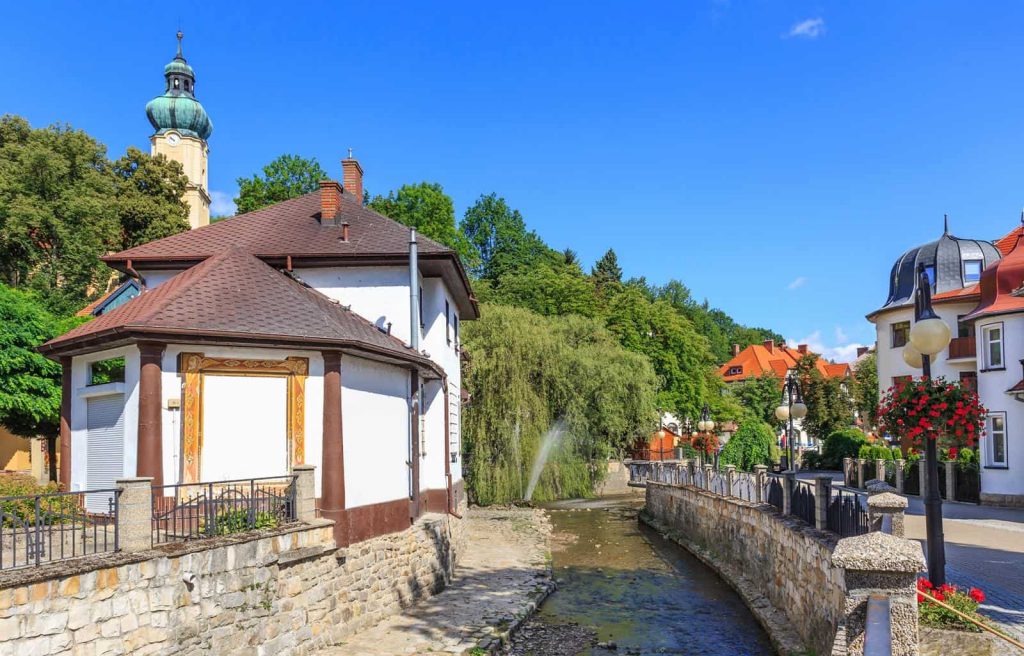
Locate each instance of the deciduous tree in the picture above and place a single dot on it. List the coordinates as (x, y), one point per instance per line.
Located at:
(287, 176)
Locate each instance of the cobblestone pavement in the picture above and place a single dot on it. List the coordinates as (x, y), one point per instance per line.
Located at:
(502, 576)
(984, 549)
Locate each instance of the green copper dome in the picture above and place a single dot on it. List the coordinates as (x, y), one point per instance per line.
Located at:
(178, 108)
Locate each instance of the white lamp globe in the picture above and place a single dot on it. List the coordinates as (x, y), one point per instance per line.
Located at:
(799, 410)
(711, 425)
(912, 356)
(782, 413)
(930, 336)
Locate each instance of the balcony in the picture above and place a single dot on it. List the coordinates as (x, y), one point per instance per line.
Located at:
(962, 348)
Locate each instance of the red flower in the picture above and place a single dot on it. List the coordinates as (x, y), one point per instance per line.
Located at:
(938, 595)
(953, 453)
(920, 598)
(977, 595)
(924, 583)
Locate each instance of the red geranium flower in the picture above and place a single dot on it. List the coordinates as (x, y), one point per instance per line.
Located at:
(977, 595)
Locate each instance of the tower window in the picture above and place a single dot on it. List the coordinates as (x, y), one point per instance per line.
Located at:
(176, 83)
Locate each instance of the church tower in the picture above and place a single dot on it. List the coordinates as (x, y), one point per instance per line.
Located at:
(182, 129)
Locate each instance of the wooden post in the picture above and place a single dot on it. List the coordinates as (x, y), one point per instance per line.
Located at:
(332, 495)
(150, 436)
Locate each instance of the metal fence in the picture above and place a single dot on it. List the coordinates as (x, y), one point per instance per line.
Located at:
(773, 492)
(912, 477)
(802, 500)
(967, 482)
(40, 528)
(847, 512)
(191, 511)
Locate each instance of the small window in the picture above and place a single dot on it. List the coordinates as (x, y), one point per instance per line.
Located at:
(447, 322)
(972, 270)
(735, 371)
(930, 272)
(106, 371)
(992, 342)
(422, 320)
(455, 326)
(964, 328)
(969, 379)
(176, 83)
(900, 334)
(997, 440)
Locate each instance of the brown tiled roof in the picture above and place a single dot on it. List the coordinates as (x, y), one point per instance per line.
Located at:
(291, 227)
(235, 295)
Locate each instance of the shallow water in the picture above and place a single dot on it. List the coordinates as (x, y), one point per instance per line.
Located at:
(621, 582)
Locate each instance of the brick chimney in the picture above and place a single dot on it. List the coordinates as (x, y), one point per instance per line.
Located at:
(802, 349)
(330, 202)
(770, 345)
(861, 350)
(735, 350)
(352, 176)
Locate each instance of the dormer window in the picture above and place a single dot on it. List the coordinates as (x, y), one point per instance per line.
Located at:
(735, 371)
(930, 272)
(972, 270)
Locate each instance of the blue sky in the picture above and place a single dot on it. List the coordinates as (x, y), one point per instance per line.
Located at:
(774, 156)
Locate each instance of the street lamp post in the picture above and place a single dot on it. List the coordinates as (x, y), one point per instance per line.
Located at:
(706, 425)
(929, 336)
(792, 408)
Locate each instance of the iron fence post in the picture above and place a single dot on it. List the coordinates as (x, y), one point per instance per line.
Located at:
(38, 530)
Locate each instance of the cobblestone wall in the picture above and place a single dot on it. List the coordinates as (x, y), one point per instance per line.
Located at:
(284, 592)
(767, 557)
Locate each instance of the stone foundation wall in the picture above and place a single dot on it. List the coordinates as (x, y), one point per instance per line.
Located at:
(615, 481)
(1004, 500)
(283, 592)
(761, 552)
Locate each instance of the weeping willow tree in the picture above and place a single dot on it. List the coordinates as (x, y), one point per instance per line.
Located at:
(528, 373)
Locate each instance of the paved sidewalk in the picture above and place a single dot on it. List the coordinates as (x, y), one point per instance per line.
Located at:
(499, 581)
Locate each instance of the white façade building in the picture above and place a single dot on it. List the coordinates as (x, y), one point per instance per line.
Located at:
(307, 332)
(975, 292)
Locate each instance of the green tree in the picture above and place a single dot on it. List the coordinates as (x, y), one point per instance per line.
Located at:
(287, 176)
(865, 389)
(845, 443)
(149, 192)
(760, 395)
(548, 289)
(500, 239)
(427, 208)
(829, 406)
(564, 378)
(750, 445)
(607, 269)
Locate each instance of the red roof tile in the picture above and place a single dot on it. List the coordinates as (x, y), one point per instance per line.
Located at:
(757, 359)
(1000, 281)
(234, 294)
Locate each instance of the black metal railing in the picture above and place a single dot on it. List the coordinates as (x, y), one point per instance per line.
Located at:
(912, 478)
(802, 500)
(773, 493)
(847, 512)
(42, 528)
(967, 483)
(191, 511)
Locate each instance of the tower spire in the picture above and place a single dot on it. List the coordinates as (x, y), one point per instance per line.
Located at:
(179, 55)
(945, 224)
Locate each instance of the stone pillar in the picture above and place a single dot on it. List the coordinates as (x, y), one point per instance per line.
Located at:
(684, 472)
(332, 496)
(65, 424)
(150, 436)
(730, 479)
(950, 480)
(860, 471)
(760, 474)
(900, 469)
(708, 470)
(135, 514)
(880, 469)
(305, 492)
(887, 504)
(822, 499)
(878, 563)
(37, 460)
(787, 492)
(848, 476)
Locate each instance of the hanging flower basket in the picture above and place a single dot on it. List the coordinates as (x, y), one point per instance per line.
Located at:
(706, 443)
(936, 409)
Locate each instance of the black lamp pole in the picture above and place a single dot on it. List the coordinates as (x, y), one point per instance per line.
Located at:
(791, 389)
(932, 500)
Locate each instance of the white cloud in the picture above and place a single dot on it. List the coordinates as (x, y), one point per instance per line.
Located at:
(811, 28)
(838, 352)
(221, 204)
(797, 283)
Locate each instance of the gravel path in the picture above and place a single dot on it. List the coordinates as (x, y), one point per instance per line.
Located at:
(500, 579)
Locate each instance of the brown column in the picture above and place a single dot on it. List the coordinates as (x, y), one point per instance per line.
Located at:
(65, 424)
(414, 505)
(150, 438)
(332, 500)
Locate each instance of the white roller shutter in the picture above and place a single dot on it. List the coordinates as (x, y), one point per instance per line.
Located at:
(105, 448)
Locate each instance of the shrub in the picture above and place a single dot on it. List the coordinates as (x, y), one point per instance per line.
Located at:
(865, 452)
(933, 615)
(237, 521)
(841, 444)
(750, 445)
(24, 510)
(967, 457)
(897, 453)
(812, 460)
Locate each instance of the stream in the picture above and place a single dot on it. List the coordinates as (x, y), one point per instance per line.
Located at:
(624, 589)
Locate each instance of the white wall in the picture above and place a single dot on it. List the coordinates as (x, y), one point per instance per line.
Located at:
(992, 386)
(156, 277)
(375, 424)
(171, 388)
(435, 342)
(890, 360)
(80, 392)
(378, 294)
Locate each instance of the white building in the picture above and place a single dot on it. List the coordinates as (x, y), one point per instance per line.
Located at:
(981, 315)
(289, 335)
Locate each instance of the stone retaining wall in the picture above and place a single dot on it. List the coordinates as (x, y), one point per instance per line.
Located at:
(757, 549)
(286, 591)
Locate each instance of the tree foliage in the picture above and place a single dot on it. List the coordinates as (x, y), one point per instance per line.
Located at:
(30, 384)
(760, 395)
(829, 405)
(529, 374)
(750, 445)
(287, 176)
(63, 204)
(865, 389)
(501, 241)
(607, 269)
